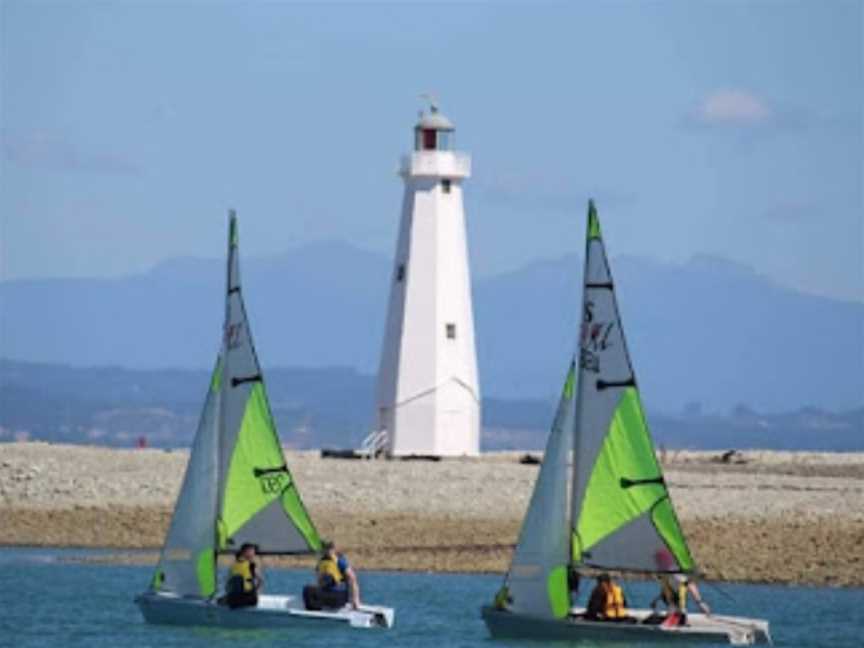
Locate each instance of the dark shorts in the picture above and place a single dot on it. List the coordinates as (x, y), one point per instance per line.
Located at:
(316, 598)
(242, 599)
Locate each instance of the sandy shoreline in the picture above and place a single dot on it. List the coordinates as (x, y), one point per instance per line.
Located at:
(781, 517)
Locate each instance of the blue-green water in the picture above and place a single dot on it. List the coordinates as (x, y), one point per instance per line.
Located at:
(47, 601)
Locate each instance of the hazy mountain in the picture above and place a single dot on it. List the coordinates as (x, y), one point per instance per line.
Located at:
(708, 331)
(331, 408)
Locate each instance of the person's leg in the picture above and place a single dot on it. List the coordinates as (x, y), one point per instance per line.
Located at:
(243, 599)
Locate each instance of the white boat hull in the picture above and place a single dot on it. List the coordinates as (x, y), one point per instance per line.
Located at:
(700, 628)
(272, 611)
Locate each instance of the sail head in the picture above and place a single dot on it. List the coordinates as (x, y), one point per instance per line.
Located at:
(621, 513)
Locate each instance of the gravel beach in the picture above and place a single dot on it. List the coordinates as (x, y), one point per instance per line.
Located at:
(789, 517)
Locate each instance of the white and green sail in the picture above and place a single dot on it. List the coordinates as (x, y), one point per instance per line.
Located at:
(237, 486)
(608, 506)
(622, 517)
(537, 579)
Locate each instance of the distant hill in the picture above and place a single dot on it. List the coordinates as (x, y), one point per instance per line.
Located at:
(707, 332)
(332, 407)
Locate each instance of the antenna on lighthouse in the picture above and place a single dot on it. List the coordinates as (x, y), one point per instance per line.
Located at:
(432, 100)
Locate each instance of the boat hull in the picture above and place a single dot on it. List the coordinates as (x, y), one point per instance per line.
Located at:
(739, 631)
(272, 611)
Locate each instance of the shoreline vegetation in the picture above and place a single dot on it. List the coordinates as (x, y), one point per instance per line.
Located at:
(772, 517)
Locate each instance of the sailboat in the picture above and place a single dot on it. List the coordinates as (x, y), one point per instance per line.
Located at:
(237, 489)
(600, 501)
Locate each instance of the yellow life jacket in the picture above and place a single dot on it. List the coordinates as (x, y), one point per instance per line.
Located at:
(242, 570)
(327, 567)
(613, 605)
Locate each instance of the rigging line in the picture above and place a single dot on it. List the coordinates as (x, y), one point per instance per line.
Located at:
(721, 590)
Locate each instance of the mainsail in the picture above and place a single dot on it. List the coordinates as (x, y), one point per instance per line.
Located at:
(621, 513)
(237, 486)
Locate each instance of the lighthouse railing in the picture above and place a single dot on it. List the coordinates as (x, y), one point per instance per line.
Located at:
(448, 164)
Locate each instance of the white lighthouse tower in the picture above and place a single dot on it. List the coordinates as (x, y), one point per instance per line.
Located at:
(428, 401)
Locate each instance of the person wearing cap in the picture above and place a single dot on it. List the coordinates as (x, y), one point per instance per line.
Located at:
(336, 576)
(244, 579)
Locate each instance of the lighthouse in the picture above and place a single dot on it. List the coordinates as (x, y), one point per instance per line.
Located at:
(428, 400)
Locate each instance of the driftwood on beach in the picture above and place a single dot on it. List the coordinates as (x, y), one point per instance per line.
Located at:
(778, 517)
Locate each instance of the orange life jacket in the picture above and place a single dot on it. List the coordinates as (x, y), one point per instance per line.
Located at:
(613, 604)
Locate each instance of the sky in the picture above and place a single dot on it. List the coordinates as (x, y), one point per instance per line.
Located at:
(733, 129)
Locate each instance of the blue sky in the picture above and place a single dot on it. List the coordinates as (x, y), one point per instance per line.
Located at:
(724, 128)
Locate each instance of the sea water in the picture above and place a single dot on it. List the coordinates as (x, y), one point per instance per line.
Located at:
(48, 598)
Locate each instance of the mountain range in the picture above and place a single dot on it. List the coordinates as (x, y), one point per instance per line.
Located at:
(331, 407)
(708, 332)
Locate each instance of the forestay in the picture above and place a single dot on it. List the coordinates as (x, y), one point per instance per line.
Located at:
(537, 579)
(237, 487)
(621, 512)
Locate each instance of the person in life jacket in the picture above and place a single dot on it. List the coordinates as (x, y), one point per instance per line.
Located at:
(244, 579)
(335, 574)
(674, 590)
(607, 601)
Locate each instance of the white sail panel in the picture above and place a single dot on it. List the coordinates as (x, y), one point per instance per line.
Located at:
(187, 562)
(537, 579)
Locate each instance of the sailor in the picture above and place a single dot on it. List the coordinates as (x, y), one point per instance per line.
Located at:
(336, 576)
(607, 602)
(674, 589)
(244, 579)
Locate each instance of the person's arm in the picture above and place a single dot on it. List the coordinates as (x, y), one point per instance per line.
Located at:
(354, 587)
(257, 576)
(697, 596)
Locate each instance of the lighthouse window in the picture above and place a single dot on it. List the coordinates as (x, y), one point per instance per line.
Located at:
(445, 185)
(443, 141)
(400, 273)
(451, 331)
(428, 139)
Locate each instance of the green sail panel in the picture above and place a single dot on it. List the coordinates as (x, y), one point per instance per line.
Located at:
(621, 514)
(626, 484)
(258, 480)
(537, 578)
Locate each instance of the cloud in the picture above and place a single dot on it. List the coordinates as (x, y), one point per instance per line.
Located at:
(731, 107)
(47, 151)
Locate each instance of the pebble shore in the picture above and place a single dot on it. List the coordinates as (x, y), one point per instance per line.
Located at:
(779, 517)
